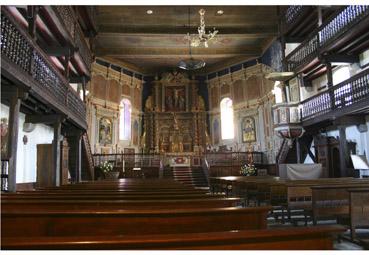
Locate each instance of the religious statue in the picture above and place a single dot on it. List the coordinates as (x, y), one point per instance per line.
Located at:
(169, 102)
(181, 103)
(148, 104)
(176, 98)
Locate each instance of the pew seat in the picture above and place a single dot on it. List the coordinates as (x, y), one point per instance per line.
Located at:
(302, 238)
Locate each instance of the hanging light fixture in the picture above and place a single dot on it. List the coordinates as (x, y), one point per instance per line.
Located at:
(202, 38)
(190, 63)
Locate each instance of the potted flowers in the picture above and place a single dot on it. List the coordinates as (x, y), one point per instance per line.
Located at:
(248, 170)
(107, 168)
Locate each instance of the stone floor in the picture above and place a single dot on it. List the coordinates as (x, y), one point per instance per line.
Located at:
(344, 243)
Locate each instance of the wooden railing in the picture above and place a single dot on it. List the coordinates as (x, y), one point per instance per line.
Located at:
(345, 19)
(68, 18)
(234, 158)
(304, 53)
(129, 159)
(347, 93)
(20, 51)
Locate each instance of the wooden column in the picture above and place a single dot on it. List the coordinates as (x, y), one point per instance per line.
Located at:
(344, 157)
(298, 151)
(56, 153)
(15, 102)
(32, 12)
(78, 159)
(330, 83)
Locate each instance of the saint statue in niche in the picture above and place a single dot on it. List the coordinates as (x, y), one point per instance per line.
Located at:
(248, 130)
(105, 131)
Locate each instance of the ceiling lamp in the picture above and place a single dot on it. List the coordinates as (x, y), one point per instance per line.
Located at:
(190, 63)
(202, 38)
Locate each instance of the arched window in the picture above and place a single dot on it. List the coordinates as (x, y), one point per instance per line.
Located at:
(125, 120)
(226, 115)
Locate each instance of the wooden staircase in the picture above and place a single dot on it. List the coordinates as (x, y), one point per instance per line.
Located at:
(88, 168)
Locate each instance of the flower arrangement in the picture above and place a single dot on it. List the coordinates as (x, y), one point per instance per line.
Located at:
(106, 167)
(248, 170)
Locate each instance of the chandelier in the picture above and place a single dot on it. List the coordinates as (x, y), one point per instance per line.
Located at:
(190, 63)
(202, 38)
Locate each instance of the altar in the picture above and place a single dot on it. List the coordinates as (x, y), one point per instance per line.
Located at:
(175, 116)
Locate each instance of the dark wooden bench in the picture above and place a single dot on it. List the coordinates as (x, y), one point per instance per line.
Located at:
(35, 205)
(130, 222)
(302, 238)
(359, 210)
(331, 201)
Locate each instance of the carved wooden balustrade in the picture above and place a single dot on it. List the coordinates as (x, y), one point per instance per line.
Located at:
(318, 41)
(292, 15)
(68, 18)
(24, 60)
(347, 95)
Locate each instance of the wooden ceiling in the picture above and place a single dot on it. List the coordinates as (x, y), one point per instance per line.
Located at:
(157, 42)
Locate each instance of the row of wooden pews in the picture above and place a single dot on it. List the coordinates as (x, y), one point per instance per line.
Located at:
(143, 214)
(343, 199)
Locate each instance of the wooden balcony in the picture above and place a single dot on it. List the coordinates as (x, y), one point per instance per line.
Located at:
(346, 33)
(297, 20)
(25, 64)
(348, 97)
(66, 26)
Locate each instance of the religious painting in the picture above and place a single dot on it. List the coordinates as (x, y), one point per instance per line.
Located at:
(216, 131)
(4, 137)
(248, 130)
(105, 131)
(175, 99)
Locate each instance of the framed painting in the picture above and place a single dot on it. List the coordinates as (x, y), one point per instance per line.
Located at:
(248, 130)
(105, 131)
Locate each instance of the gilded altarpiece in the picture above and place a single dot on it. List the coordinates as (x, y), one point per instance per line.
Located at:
(175, 116)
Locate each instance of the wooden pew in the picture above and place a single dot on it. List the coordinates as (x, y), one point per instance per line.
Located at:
(302, 238)
(35, 205)
(332, 200)
(130, 222)
(359, 210)
(86, 196)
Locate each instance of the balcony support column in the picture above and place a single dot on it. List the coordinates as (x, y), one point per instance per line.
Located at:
(344, 157)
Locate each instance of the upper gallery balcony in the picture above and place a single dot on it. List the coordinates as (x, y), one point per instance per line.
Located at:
(348, 97)
(59, 33)
(24, 63)
(346, 34)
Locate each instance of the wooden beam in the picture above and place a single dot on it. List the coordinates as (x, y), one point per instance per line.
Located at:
(181, 52)
(44, 119)
(339, 58)
(57, 51)
(262, 30)
(78, 79)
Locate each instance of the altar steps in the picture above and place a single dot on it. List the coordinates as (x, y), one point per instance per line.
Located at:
(190, 176)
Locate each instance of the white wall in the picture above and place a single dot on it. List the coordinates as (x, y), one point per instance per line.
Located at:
(27, 153)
